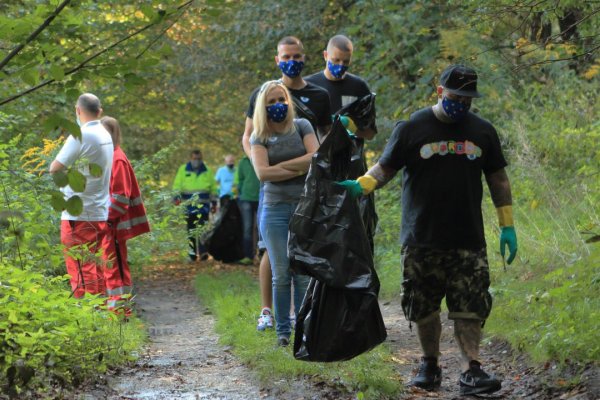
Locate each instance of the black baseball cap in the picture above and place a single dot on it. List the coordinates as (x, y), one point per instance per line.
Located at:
(460, 80)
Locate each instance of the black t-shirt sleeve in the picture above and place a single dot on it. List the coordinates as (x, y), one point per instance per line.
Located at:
(252, 102)
(324, 118)
(495, 159)
(394, 154)
(364, 89)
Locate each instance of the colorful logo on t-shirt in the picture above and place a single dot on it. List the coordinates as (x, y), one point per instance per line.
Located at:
(442, 148)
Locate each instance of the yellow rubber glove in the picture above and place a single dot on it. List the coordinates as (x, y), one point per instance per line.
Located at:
(367, 183)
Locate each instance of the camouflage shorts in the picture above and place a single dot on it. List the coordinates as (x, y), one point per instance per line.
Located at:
(460, 275)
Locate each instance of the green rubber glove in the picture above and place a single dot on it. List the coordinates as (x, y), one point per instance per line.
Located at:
(508, 237)
(349, 125)
(353, 187)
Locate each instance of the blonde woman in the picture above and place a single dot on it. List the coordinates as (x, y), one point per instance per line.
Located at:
(281, 148)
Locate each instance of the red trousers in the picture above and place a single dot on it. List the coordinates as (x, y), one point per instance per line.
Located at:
(117, 275)
(82, 239)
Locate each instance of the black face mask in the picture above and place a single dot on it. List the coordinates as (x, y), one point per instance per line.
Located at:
(230, 166)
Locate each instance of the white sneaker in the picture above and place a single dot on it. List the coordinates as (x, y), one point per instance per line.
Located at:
(265, 320)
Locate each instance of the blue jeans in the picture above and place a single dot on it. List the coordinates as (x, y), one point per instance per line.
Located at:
(248, 211)
(274, 226)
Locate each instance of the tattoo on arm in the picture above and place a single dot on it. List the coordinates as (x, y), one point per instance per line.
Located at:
(499, 186)
(382, 174)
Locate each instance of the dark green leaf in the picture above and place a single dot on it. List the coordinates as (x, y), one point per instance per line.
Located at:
(95, 170)
(57, 73)
(75, 205)
(57, 201)
(30, 76)
(70, 127)
(60, 179)
(148, 11)
(76, 180)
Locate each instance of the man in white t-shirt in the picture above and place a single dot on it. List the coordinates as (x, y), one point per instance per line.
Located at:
(82, 234)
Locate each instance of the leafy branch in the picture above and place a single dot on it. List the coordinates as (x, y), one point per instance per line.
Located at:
(164, 31)
(34, 34)
(84, 63)
(585, 53)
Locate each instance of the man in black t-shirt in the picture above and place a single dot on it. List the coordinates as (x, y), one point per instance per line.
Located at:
(342, 86)
(345, 88)
(310, 102)
(443, 151)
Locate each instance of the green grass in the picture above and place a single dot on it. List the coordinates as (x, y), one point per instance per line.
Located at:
(234, 299)
(552, 312)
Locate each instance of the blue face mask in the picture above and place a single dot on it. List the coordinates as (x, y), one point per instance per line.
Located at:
(455, 109)
(277, 112)
(78, 121)
(337, 70)
(291, 68)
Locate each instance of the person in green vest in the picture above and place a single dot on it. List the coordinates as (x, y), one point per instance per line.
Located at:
(248, 186)
(195, 185)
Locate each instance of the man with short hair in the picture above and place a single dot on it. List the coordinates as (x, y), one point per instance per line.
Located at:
(224, 179)
(195, 184)
(342, 86)
(85, 232)
(443, 151)
(345, 88)
(310, 102)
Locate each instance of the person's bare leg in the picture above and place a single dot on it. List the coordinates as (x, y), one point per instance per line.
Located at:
(468, 335)
(429, 331)
(265, 282)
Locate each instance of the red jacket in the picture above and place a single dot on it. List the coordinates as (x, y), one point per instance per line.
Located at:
(126, 209)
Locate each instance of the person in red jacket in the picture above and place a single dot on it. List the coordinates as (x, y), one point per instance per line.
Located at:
(126, 219)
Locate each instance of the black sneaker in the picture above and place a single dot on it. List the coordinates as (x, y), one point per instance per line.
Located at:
(282, 341)
(476, 381)
(429, 376)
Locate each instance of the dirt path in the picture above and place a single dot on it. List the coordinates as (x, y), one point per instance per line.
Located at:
(185, 361)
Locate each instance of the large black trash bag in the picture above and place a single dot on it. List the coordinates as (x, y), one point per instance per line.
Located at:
(337, 324)
(327, 238)
(340, 316)
(362, 112)
(224, 240)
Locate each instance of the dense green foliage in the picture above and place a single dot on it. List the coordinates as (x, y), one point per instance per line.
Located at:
(178, 75)
(232, 297)
(48, 338)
